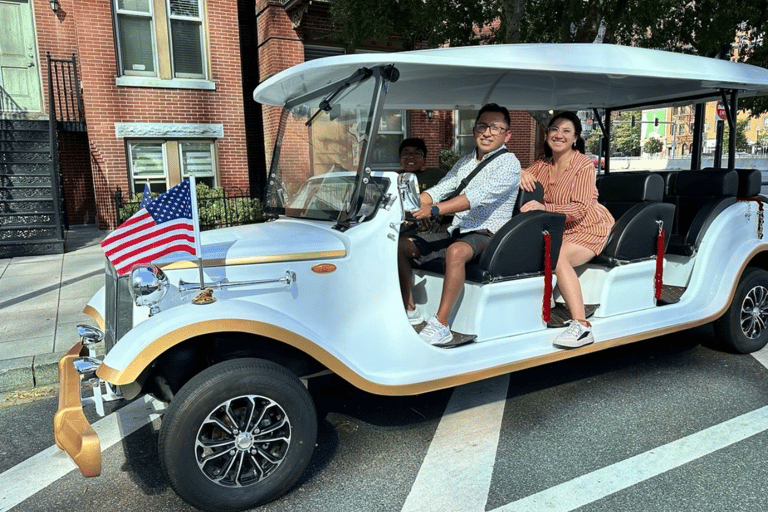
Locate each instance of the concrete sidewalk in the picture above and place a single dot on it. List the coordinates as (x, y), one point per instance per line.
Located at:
(41, 303)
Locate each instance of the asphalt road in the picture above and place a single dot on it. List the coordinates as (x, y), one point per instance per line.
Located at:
(665, 424)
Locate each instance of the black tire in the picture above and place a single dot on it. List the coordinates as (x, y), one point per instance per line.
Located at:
(214, 452)
(744, 326)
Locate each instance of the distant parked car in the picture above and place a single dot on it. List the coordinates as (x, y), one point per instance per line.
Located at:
(594, 160)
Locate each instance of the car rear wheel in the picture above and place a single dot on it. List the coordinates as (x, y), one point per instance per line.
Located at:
(237, 435)
(744, 326)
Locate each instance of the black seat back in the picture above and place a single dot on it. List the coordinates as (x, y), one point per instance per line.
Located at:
(700, 196)
(517, 249)
(635, 201)
(523, 196)
(750, 181)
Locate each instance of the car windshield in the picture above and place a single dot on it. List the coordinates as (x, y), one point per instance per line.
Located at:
(321, 143)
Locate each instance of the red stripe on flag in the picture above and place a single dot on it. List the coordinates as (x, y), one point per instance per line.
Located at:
(128, 227)
(147, 258)
(152, 231)
(155, 245)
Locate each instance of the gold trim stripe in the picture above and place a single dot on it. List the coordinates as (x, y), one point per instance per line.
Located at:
(250, 260)
(91, 311)
(160, 345)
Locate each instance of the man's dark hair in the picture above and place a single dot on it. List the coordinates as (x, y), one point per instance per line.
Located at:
(413, 142)
(493, 107)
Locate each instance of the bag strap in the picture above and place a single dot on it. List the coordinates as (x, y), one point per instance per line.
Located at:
(476, 170)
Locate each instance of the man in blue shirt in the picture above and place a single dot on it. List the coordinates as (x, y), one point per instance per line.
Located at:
(479, 210)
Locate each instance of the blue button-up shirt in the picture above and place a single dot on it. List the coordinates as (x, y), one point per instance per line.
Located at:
(491, 193)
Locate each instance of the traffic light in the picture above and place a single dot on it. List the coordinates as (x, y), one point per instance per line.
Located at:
(633, 121)
(655, 121)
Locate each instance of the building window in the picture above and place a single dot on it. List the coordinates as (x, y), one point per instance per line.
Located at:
(386, 152)
(150, 29)
(196, 159)
(186, 38)
(136, 43)
(465, 136)
(165, 163)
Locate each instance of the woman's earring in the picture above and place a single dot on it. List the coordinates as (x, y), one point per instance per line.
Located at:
(574, 145)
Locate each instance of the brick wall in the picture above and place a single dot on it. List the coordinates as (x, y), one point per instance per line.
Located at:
(85, 27)
(282, 45)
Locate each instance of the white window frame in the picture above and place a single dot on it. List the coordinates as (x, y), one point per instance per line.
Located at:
(214, 171)
(201, 32)
(122, 68)
(131, 77)
(458, 136)
(173, 169)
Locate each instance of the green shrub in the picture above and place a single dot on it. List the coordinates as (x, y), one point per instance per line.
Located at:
(214, 209)
(448, 157)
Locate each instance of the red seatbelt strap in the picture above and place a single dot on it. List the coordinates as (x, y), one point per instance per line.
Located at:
(546, 307)
(658, 280)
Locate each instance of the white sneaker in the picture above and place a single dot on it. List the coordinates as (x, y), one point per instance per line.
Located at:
(575, 336)
(415, 316)
(436, 333)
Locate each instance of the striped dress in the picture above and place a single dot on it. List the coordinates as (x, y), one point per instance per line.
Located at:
(587, 222)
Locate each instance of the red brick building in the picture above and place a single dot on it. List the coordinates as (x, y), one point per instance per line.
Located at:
(167, 92)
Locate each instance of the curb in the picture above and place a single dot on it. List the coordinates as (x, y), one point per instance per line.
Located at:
(23, 373)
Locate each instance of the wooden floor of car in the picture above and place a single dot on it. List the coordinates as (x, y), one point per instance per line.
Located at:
(560, 314)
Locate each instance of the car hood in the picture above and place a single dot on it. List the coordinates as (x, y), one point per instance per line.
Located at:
(268, 242)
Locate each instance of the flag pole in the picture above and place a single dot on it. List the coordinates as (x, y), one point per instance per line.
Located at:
(196, 225)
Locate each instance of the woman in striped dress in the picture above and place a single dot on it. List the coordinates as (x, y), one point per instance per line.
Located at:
(568, 177)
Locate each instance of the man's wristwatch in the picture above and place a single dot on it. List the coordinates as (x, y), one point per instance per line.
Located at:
(435, 211)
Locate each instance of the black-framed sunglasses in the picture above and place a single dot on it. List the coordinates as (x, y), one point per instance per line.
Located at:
(495, 129)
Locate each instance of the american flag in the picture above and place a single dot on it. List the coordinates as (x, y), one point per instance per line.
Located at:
(162, 227)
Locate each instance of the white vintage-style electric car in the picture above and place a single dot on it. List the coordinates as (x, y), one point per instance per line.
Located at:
(315, 289)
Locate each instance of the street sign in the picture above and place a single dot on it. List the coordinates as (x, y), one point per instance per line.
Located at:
(721, 110)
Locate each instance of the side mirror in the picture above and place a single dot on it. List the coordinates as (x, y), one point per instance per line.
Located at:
(408, 185)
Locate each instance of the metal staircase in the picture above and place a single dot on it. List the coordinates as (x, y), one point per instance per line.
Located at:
(30, 210)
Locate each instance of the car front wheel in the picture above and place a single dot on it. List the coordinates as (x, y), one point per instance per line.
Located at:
(744, 326)
(237, 435)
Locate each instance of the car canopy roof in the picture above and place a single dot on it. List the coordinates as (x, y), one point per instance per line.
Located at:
(530, 76)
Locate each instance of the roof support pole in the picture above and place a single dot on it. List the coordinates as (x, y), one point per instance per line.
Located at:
(607, 141)
(732, 124)
(698, 130)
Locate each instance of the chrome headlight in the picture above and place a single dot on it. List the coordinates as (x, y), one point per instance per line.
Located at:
(149, 285)
(408, 185)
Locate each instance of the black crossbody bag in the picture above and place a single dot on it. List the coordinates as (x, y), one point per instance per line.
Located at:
(474, 172)
(437, 222)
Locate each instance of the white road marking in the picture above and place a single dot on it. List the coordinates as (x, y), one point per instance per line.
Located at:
(456, 472)
(616, 477)
(52, 463)
(762, 356)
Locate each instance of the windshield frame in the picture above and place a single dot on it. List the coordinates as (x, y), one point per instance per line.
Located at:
(382, 75)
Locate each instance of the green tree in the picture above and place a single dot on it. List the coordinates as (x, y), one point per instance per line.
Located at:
(653, 145)
(742, 144)
(762, 139)
(702, 27)
(625, 138)
(592, 142)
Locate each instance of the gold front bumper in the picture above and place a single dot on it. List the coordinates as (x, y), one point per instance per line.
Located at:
(71, 429)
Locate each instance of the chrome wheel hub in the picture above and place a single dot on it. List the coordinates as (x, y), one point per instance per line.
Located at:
(754, 312)
(243, 441)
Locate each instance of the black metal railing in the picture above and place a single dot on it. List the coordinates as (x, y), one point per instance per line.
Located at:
(216, 208)
(65, 100)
